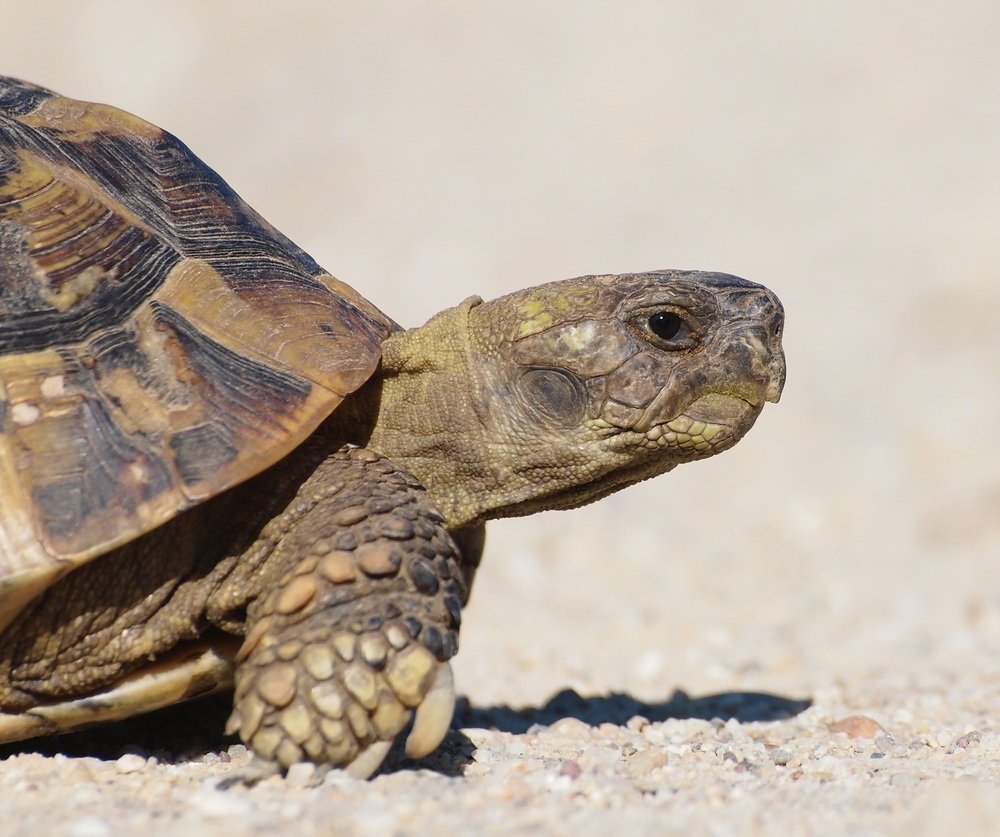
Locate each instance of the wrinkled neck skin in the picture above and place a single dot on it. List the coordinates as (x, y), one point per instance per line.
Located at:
(556, 396)
(427, 416)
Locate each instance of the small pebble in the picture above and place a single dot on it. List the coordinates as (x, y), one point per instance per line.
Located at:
(968, 740)
(570, 768)
(479, 736)
(884, 742)
(301, 774)
(780, 756)
(646, 761)
(653, 734)
(339, 779)
(570, 728)
(130, 763)
(595, 758)
(856, 726)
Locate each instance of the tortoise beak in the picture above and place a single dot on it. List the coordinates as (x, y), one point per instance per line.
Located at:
(767, 364)
(777, 382)
(776, 374)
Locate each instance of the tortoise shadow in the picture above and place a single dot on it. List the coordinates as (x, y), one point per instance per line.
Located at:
(193, 731)
(175, 734)
(457, 750)
(617, 708)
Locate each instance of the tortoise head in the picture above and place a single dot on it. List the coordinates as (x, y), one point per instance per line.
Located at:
(572, 390)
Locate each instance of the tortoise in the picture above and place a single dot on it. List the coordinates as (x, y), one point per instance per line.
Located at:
(221, 468)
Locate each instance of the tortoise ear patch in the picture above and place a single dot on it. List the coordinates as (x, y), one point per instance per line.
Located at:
(554, 394)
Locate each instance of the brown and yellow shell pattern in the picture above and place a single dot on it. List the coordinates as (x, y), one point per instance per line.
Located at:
(159, 341)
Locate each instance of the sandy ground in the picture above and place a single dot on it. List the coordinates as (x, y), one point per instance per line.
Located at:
(801, 636)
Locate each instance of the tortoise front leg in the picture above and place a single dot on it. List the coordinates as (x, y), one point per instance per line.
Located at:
(358, 617)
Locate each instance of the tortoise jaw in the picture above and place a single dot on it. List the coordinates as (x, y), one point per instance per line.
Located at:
(708, 425)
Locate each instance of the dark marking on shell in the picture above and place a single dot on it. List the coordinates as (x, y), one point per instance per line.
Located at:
(141, 263)
(18, 98)
(239, 388)
(78, 470)
(200, 451)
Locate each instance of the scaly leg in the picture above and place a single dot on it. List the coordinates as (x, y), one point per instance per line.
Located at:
(358, 617)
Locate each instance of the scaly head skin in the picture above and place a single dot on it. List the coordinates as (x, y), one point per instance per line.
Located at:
(558, 395)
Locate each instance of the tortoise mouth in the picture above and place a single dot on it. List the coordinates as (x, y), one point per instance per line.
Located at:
(707, 425)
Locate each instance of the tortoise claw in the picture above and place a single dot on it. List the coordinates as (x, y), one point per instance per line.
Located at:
(432, 718)
(368, 760)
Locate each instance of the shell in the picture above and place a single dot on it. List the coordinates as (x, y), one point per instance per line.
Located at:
(159, 341)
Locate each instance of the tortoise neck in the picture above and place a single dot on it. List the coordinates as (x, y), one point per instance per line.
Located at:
(426, 404)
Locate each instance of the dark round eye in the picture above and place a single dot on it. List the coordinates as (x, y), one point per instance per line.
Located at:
(666, 325)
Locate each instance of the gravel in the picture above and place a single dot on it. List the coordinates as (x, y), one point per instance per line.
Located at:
(820, 766)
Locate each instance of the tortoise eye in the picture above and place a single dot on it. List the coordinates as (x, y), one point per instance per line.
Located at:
(666, 325)
(667, 329)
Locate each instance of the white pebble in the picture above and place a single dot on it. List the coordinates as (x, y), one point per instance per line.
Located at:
(570, 728)
(130, 763)
(300, 774)
(945, 737)
(479, 736)
(653, 734)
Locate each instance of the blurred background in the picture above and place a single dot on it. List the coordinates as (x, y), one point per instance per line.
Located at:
(845, 154)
